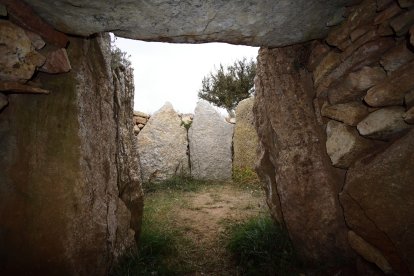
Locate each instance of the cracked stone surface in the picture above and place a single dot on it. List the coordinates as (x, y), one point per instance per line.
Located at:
(257, 23)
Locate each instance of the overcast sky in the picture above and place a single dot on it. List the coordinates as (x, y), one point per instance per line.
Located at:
(173, 72)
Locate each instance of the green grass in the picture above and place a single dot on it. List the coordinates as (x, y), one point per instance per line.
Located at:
(261, 247)
(175, 183)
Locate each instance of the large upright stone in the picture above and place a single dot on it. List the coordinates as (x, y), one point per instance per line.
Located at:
(236, 21)
(293, 162)
(245, 139)
(60, 209)
(378, 202)
(210, 138)
(162, 146)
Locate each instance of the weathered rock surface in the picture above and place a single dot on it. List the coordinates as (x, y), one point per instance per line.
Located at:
(396, 57)
(245, 139)
(129, 172)
(344, 145)
(379, 205)
(391, 91)
(368, 252)
(60, 209)
(3, 101)
(350, 113)
(384, 123)
(162, 146)
(56, 62)
(409, 116)
(18, 59)
(210, 138)
(238, 22)
(293, 162)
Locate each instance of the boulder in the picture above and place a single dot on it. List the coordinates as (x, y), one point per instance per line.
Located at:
(384, 123)
(162, 146)
(292, 163)
(245, 139)
(344, 145)
(379, 205)
(210, 138)
(18, 59)
(237, 22)
(350, 113)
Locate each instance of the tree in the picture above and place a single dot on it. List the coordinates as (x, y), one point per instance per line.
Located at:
(227, 87)
(119, 58)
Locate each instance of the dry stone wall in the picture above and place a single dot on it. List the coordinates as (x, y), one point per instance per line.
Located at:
(350, 109)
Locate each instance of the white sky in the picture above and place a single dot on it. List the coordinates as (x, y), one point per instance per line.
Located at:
(173, 72)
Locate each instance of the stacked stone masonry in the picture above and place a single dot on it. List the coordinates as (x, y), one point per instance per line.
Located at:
(363, 78)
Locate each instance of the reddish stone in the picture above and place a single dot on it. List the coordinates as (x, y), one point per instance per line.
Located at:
(57, 61)
(23, 15)
(319, 51)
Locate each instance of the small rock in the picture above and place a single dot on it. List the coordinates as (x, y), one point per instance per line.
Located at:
(141, 126)
(36, 39)
(344, 145)
(140, 120)
(3, 10)
(396, 57)
(327, 64)
(349, 113)
(136, 129)
(141, 114)
(383, 124)
(57, 61)
(365, 78)
(391, 91)
(232, 120)
(409, 116)
(402, 23)
(3, 101)
(368, 252)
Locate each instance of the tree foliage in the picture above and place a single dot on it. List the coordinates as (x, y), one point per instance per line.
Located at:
(118, 57)
(228, 86)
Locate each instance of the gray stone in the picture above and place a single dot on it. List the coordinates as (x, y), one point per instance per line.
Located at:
(210, 138)
(162, 146)
(350, 113)
(136, 129)
(3, 101)
(140, 120)
(396, 57)
(383, 124)
(245, 140)
(259, 23)
(344, 145)
(141, 114)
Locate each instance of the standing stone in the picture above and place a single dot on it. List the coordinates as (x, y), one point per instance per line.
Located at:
(162, 146)
(60, 209)
(293, 162)
(379, 205)
(210, 138)
(245, 139)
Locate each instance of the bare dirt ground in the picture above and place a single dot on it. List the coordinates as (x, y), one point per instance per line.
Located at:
(202, 217)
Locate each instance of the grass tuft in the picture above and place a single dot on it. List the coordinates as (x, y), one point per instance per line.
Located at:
(175, 183)
(261, 247)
